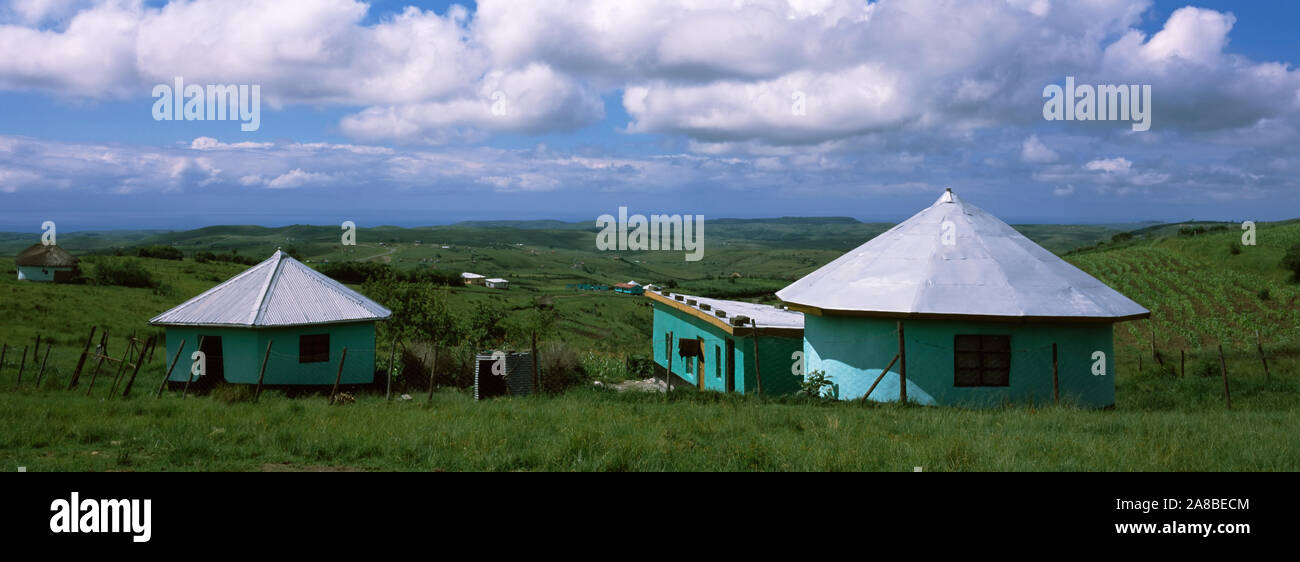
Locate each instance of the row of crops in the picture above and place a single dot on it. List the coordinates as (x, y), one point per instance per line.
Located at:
(1199, 296)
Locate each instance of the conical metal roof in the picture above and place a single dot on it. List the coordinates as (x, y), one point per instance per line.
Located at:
(953, 259)
(280, 291)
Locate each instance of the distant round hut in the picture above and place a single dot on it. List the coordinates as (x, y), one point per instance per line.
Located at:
(41, 262)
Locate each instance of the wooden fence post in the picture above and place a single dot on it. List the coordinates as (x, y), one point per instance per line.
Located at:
(388, 392)
(433, 371)
(139, 362)
(1182, 363)
(261, 373)
(537, 388)
(121, 367)
(758, 375)
(878, 378)
(21, 365)
(4, 350)
(339, 376)
(1056, 381)
(40, 375)
(1223, 366)
(670, 361)
(902, 366)
(1154, 355)
(1260, 348)
(76, 373)
(168, 375)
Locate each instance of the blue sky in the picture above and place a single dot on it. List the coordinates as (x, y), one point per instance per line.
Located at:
(382, 113)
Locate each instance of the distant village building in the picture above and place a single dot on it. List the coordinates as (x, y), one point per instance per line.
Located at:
(718, 341)
(473, 278)
(309, 317)
(981, 307)
(629, 288)
(497, 283)
(40, 262)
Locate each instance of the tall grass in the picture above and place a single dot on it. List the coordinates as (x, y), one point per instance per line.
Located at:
(1161, 424)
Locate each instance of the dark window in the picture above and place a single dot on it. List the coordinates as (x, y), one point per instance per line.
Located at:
(314, 348)
(982, 360)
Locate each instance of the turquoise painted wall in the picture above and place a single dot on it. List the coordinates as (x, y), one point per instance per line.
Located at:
(852, 351)
(775, 354)
(31, 273)
(243, 348)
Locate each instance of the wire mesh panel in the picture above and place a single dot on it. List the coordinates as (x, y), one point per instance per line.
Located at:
(503, 374)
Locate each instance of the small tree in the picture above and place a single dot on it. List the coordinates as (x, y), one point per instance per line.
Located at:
(1291, 262)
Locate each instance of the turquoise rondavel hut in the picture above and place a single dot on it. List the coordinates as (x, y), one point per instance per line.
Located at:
(309, 317)
(718, 339)
(980, 305)
(46, 262)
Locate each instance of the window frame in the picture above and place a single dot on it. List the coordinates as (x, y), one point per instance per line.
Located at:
(987, 349)
(315, 355)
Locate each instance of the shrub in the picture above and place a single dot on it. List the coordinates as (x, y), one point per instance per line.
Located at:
(1122, 237)
(560, 368)
(815, 385)
(1263, 294)
(123, 272)
(1291, 261)
(640, 366)
(160, 252)
(231, 257)
(363, 272)
(1234, 248)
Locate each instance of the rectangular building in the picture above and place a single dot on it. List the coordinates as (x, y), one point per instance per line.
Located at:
(718, 337)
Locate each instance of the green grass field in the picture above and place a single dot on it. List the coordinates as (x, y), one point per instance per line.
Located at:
(1202, 294)
(603, 430)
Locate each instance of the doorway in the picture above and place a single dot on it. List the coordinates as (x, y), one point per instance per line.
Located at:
(731, 366)
(216, 365)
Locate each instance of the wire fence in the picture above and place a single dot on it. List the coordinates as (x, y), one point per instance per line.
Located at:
(117, 366)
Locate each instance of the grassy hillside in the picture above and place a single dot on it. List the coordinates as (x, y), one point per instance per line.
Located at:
(1202, 293)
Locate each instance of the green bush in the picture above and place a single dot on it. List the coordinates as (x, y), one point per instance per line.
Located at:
(560, 368)
(1291, 261)
(231, 257)
(160, 252)
(816, 386)
(640, 366)
(123, 272)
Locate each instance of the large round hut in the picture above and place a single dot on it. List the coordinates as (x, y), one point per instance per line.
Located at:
(987, 316)
(306, 318)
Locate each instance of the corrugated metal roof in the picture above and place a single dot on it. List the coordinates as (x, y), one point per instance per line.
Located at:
(765, 315)
(988, 270)
(280, 291)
